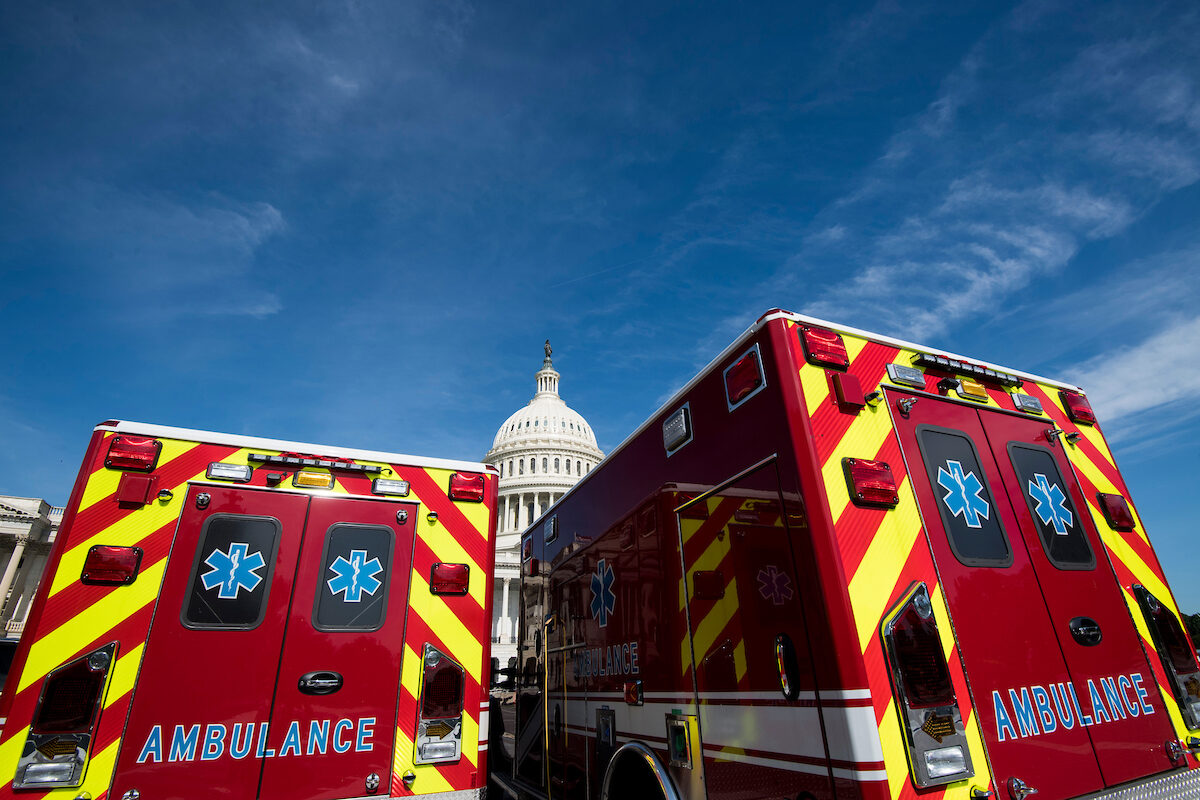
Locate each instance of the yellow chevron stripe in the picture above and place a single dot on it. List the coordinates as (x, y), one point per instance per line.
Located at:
(815, 386)
(1093, 435)
(127, 531)
(104, 482)
(945, 633)
(464, 647)
(879, 571)
(739, 659)
(124, 674)
(51, 649)
(711, 557)
(429, 778)
(477, 514)
(447, 548)
(706, 632)
(470, 739)
(895, 762)
(862, 440)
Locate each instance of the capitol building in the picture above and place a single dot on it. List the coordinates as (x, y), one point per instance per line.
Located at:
(541, 451)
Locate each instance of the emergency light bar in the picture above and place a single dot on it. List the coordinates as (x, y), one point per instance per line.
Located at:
(980, 373)
(296, 460)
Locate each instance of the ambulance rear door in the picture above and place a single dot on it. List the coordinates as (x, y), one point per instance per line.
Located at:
(1058, 678)
(273, 659)
(1129, 727)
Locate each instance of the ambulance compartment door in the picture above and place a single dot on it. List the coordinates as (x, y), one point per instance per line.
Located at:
(1125, 716)
(1003, 630)
(333, 722)
(760, 723)
(201, 704)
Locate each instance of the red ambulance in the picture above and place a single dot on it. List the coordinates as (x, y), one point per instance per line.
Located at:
(233, 617)
(841, 565)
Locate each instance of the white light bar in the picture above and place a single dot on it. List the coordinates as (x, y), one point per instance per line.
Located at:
(229, 472)
(390, 487)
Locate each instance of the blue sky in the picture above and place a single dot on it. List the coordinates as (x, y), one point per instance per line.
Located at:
(356, 222)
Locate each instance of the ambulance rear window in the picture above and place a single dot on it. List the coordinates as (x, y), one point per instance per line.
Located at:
(1050, 507)
(231, 574)
(356, 567)
(964, 498)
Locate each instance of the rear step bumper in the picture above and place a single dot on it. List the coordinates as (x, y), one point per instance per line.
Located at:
(1183, 784)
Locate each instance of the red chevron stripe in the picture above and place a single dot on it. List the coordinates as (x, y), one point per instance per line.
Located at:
(72, 600)
(857, 526)
(435, 497)
(424, 558)
(106, 511)
(1060, 418)
(129, 632)
(830, 424)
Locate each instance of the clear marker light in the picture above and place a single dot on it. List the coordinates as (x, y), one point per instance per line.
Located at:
(945, 761)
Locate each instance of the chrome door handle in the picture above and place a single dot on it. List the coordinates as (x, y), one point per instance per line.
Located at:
(321, 682)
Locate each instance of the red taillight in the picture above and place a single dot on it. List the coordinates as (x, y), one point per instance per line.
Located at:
(921, 662)
(870, 482)
(1078, 407)
(449, 578)
(70, 699)
(108, 565)
(467, 486)
(824, 348)
(633, 693)
(743, 378)
(442, 690)
(133, 452)
(1174, 641)
(1116, 512)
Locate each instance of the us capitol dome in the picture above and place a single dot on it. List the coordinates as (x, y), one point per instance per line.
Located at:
(542, 450)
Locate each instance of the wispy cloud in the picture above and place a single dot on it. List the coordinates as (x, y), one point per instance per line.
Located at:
(990, 190)
(1156, 374)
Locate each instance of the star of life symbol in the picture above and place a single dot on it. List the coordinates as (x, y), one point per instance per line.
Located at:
(963, 496)
(233, 570)
(354, 576)
(604, 599)
(774, 585)
(1051, 504)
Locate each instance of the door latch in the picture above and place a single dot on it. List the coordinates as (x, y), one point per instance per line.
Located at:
(321, 682)
(1019, 789)
(203, 499)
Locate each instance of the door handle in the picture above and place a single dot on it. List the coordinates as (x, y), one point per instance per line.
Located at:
(320, 682)
(1086, 631)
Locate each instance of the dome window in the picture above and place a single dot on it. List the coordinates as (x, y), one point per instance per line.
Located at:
(544, 464)
(556, 466)
(568, 466)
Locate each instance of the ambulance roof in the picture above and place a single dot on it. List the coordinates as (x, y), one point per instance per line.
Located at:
(232, 440)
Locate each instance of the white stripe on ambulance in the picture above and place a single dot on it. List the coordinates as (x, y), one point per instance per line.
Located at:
(1118, 697)
(217, 740)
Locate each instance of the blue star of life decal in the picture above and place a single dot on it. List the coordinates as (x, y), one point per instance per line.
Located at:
(1051, 504)
(233, 570)
(963, 494)
(354, 576)
(604, 599)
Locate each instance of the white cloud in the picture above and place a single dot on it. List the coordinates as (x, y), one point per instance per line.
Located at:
(1153, 374)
